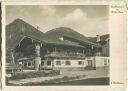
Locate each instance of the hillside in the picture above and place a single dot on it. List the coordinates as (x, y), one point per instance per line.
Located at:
(16, 30)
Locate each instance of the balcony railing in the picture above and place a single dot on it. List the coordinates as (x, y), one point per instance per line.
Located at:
(75, 55)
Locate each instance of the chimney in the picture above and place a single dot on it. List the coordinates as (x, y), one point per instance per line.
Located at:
(98, 38)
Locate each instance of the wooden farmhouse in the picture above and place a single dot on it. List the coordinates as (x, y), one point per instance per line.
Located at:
(59, 48)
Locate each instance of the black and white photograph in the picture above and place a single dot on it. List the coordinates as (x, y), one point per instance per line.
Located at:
(57, 45)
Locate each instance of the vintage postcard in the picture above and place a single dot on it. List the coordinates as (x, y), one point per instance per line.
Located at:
(64, 46)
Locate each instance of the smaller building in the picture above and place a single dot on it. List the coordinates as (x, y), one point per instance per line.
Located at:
(104, 41)
(102, 58)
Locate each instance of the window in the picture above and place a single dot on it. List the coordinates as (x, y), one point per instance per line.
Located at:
(68, 51)
(80, 63)
(58, 62)
(33, 63)
(58, 51)
(89, 62)
(29, 64)
(105, 62)
(25, 64)
(42, 63)
(48, 62)
(68, 63)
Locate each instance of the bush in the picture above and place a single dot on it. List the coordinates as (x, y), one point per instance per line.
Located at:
(77, 77)
(65, 77)
(34, 74)
(89, 68)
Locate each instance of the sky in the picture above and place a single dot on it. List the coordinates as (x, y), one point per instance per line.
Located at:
(89, 20)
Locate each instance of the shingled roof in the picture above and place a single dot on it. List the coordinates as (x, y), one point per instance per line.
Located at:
(55, 34)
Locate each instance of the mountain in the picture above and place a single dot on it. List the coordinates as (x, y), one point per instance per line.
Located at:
(16, 30)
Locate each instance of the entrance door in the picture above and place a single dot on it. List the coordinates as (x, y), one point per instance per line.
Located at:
(90, 63)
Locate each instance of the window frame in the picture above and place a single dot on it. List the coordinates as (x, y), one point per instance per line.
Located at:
(48, 63)
(29, 64)
(66, 63)
(58, 62)
(42, 62)
(105, 62)
(80, 63)
(25, 64)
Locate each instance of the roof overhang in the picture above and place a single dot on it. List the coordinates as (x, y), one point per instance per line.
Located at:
(87, 43)
(30, 37)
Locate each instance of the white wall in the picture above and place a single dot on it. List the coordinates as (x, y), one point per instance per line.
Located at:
(91, 59)
(74, 63)
(102, 61)
(99, 61)
(96, 62)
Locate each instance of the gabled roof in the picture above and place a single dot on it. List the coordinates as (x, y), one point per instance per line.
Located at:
(55, 34)
(102, 38)
(64, 43)
(16, 30)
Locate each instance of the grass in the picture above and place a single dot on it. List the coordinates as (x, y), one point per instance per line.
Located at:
(57, 80)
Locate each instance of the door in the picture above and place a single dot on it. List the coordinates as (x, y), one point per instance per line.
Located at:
(90, 63)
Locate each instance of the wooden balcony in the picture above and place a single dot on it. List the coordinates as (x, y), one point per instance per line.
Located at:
(65, 55)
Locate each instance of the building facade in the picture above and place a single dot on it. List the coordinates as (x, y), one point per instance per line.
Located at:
(60, 48)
